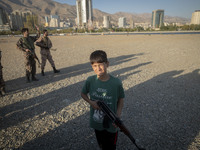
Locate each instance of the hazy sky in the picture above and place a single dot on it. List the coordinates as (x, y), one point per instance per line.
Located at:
(181, 8)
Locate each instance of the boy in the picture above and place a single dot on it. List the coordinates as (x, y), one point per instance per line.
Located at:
(45, 44)
(109, 89)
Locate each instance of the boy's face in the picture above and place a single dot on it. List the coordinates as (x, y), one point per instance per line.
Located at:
(100, 68)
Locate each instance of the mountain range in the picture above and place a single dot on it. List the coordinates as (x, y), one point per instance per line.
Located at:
(49, 7)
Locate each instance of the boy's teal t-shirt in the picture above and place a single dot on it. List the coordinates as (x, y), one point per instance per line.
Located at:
(109, 92)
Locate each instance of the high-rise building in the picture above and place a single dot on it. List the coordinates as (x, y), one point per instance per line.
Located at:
(46, 21)
(3, 17)
(122, 22)
(16, 20)
(84, 13)
(55, 21)
(4, 21)
(25, 14)
(106, 21)
(195, 17)
(157, 18)
(20, 19)
(79, 13)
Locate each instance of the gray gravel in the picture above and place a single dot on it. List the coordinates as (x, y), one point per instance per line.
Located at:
(160, 74)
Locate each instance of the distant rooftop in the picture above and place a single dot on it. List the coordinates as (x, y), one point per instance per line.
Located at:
(159, 10)
(197, 10)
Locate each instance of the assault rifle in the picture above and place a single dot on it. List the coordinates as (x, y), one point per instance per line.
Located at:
(111, 115)
(35, 57)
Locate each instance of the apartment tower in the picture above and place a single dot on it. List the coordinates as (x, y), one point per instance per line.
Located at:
(157, 18)
(84, 13)
(4, 20)
(122, 22)
(106, 21)
(16, 20)
(195, 17)
(55, 21)
(3, 17)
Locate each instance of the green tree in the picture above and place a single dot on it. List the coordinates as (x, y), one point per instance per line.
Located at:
(140, 28)
(185, 27)
(194, 27)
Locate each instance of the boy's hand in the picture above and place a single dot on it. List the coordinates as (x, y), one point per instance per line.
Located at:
(94, 105)
(114, 125)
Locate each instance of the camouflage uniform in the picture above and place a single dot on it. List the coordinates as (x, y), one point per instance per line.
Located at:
(45, 44)
(30, 64)
(2, 83)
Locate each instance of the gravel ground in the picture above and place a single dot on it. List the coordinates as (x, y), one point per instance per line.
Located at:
(161, 78)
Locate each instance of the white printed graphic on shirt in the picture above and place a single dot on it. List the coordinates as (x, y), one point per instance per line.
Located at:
(98, 116)
(100, 94)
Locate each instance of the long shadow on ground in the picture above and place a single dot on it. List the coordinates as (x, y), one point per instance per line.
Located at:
(163, 113)
(20, 84)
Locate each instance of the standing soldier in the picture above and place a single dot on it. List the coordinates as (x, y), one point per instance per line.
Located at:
(2, 83)
(26, 44)
(45, 44)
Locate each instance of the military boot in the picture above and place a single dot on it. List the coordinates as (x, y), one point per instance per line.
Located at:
(28, 78)
(55, 70)
(34, 78)
(42, 72)
(3, 91)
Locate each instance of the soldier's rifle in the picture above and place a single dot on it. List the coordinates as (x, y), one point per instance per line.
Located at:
(35, 57)
(44, 46)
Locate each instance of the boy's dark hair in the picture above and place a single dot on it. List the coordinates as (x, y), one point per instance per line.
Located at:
(98, 56)
(45, 30)
(24, 30)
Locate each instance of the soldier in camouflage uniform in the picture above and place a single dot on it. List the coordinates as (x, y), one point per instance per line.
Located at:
(2, 83)
(26, 44)
(45, 44)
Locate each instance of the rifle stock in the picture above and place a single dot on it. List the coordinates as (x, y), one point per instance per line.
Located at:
(111, 115)
(35, 57)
